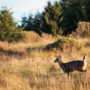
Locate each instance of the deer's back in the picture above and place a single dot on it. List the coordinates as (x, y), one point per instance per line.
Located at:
(73, 66)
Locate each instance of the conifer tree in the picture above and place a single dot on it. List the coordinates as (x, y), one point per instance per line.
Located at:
(7, 24)
(73, 12)
(53, 16)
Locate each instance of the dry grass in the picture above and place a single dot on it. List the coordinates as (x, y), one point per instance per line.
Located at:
(36, 70)
(83, 30)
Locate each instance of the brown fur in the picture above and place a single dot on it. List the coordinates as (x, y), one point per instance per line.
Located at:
(68, 67)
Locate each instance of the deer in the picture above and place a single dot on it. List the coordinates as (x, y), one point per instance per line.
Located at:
(68, 67)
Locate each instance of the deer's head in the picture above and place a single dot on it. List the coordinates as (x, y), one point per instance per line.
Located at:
(58, 59)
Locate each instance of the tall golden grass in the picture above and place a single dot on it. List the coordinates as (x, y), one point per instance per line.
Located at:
(35, 70)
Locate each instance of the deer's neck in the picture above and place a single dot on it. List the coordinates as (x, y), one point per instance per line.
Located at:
(61, 64)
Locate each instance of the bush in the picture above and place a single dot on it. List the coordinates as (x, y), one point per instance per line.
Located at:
(65, 44)
(17, 36)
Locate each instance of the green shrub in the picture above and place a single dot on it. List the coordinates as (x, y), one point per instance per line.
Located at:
(65, 44)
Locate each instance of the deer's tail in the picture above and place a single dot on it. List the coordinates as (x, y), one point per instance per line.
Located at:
(84, 58)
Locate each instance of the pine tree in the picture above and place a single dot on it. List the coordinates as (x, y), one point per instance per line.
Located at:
(24, 21)
(27, 22)
(7, 24)
(73, 12)
(87, 8)
(44, 27)
(53, 16)
(36, 23)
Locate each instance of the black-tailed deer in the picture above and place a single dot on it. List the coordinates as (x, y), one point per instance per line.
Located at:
(77, 65)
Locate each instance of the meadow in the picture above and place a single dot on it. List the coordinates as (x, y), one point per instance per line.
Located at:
(25, 65)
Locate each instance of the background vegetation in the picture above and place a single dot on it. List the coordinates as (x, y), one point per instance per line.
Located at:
(59, 18)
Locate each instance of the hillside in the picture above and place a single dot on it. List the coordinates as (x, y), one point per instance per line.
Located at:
(26, 65)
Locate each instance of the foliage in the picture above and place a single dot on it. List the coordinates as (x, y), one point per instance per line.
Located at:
(65, 44)
(44, 27)
(53, 16)
(31, 23)
(8, 29)
(17, 36)
(59, 18)
(87, 8)
(73, 12)
(63, 17)
(49, 21)
(27, 22)
(7, 24)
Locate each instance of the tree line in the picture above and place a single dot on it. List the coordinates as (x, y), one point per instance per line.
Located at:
(59, 18)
